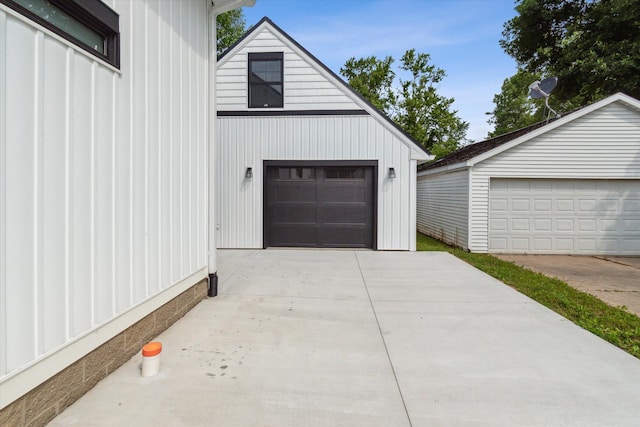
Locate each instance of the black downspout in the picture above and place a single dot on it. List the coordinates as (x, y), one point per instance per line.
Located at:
(213, 284)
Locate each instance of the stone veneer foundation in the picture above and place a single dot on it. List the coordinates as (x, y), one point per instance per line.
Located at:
(45, 402)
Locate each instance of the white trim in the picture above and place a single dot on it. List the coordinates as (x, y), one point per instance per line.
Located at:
(444, 169)
(35, 373)
(413, 205)
(59, 38)
(222, 6)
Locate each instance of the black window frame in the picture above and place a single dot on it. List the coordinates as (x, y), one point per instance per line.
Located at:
(94, 14)
(265, 56)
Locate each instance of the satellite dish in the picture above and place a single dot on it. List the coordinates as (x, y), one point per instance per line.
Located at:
(542, 89)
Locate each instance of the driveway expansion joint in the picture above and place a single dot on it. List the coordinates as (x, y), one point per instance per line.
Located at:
(384, 343)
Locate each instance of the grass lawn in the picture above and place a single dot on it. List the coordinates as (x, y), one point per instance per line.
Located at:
(618, 326)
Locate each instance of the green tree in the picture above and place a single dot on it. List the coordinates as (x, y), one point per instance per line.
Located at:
(414, 103)
(230, 26)
(513, 107)
(592, 46)
(373, 79)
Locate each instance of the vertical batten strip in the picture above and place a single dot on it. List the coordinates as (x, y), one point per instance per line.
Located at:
(92, 186)
(171, 107)
(145, 34)
(181, 143)
(38, 193)
(191, 97)
(114, 139)
(3, 193)
(67, 181)
(131, 142)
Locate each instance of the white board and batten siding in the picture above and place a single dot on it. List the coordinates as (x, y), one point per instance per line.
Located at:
(248, 141)
(602, 145)
(347, 129)
(305, 87)
(102, 182)
(443, 207)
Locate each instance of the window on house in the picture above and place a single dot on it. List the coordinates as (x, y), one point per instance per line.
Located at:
(265, 80)
(89, 24)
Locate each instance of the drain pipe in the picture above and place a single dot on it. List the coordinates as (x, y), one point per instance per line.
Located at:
(216, 7)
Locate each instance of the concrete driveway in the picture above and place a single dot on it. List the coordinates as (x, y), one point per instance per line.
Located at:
(363, 338)
(615, 280)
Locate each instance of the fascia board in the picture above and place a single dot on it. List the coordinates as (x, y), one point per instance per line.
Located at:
(444, 169)
(222, 6)
(618, 97)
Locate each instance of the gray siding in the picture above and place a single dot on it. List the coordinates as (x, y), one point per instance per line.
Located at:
(443, 206)
(603, 144)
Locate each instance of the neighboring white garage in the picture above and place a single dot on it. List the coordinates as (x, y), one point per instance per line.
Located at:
(571, 186)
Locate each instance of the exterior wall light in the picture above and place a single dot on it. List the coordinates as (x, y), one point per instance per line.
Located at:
(392, 172)
(248, 173)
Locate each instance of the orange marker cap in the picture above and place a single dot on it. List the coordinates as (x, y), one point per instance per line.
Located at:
(152, 349)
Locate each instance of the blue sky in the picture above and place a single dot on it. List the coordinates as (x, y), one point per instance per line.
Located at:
(460, 35)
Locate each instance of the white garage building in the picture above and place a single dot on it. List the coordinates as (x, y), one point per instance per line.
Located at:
(571, 186)
(302, 159)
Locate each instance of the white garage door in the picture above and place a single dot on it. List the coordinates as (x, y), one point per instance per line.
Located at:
(564, 216)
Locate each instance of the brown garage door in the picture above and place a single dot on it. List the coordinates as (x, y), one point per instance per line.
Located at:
(327, 206)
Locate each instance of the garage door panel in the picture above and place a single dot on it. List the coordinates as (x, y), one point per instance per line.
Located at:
(520, 224)
(564, 216)
(632, 206)
(293, 192)
(340, 236)
(564, 245)
(564, 205)
(542, 225)
(542, 244)
(294, 235)
(343, 193)
(355, 213)
(292, 213)
(563, 224)
(631, 245)
(319, 206)
(499, 204)
(631, 225)
(520, 205)
(542, 205)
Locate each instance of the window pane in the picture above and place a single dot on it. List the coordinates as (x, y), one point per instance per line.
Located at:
(296, 173)
(345, 173)
(65, 22)
(266, 96)
(266, 71)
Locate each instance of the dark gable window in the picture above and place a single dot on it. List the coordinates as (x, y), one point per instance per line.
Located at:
(89, 24)
(265, 80)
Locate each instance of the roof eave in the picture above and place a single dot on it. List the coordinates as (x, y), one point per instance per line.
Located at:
(445, 168)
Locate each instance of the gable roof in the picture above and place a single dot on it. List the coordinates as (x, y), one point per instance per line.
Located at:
(368, 106)
(479, 151)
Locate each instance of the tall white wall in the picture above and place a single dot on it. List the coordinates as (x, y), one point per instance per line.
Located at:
(247, 141)
(443, 206)
(602, 144)
(102, 182)
(305, 87)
